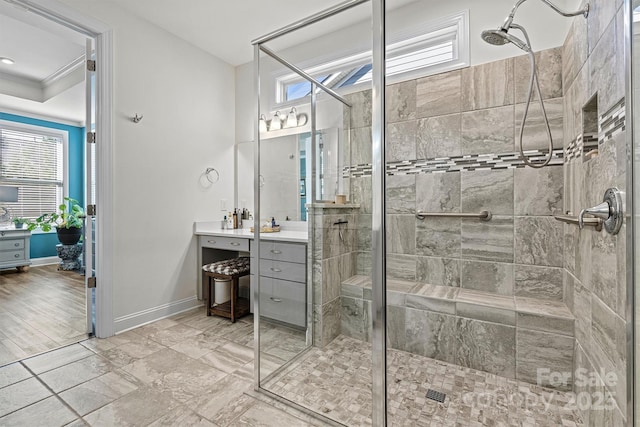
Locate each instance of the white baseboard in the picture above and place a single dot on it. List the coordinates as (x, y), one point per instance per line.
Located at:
(134, 320)
(48, 260)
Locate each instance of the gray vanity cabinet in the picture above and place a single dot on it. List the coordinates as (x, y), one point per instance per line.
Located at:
(283, 278)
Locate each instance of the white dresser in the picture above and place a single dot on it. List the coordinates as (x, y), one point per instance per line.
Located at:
(15, 248)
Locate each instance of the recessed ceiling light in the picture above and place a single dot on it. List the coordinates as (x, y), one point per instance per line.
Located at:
(7, 61)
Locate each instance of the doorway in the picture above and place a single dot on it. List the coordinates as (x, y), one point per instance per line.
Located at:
(83, 174)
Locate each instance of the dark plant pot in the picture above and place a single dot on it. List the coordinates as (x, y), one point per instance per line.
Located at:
(19, 224)
(69, 236)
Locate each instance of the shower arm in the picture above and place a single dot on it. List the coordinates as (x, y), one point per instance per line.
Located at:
(507, 22)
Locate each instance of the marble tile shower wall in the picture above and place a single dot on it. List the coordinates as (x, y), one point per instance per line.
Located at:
(595, 262)
(462, 113)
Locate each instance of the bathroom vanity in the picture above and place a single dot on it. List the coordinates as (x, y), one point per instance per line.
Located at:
(282, 266)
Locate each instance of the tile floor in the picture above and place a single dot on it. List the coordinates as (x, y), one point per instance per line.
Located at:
(189, 370)
(193, 370)
(336, 381)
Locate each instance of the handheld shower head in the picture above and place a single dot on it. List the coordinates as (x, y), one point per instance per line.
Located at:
(501, 37)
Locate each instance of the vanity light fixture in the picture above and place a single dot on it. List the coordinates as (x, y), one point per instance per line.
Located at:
(7, 61)
(276, 122)
(280, 121)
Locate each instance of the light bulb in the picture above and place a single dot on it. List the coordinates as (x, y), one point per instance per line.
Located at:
(276, 122)
(292, 118)
(262, 123)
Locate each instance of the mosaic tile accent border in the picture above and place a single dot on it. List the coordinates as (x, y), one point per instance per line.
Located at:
(610, 124)
(613, 122)
(470, 162)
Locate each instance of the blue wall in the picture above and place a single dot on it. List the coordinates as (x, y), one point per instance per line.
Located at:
(44, 245)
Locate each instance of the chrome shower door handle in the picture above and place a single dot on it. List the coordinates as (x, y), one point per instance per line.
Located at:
(610, 210)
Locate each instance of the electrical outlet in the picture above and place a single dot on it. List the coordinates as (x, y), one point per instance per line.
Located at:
(223, 205)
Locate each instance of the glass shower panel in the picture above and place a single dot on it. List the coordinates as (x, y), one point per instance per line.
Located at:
(508, 316)
(331, 374)
(284, 284)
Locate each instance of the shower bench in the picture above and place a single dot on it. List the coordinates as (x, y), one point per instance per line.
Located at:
(510, 336)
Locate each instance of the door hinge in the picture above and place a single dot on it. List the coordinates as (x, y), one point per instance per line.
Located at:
(91, 137)
(91, 282)
(91, 210)
(91, 65)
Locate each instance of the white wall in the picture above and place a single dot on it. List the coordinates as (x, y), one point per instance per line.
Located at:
(187, 99)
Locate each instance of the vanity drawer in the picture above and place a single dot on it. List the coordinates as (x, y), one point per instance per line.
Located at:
(227, 243)
(283, 301)
(8, 256)
(11, 244)
(278, 251)
(283, 270)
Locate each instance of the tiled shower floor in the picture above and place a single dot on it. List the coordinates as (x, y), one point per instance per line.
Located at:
(336, 381)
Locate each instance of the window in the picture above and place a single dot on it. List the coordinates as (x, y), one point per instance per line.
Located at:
(428, 49)
(32, 159)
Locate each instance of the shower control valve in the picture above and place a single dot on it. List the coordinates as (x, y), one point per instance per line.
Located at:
(610, 210)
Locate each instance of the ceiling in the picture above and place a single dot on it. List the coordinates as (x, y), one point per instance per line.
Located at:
(47, 77)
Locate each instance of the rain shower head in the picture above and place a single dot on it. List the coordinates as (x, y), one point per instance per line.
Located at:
(501, 37)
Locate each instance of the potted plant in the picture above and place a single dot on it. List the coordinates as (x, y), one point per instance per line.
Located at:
(20, 222)
(68, 221)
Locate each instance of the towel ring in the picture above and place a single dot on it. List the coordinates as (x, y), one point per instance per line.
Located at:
(207, 173)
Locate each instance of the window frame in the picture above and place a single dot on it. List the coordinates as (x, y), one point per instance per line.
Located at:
(454, 27)
(50, 132)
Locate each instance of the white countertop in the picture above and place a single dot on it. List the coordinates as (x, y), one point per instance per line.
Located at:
(292, 231)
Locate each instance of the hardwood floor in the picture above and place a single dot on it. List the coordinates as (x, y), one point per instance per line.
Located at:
(40, 310)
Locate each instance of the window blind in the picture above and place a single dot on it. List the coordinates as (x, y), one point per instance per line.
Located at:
(34, 163)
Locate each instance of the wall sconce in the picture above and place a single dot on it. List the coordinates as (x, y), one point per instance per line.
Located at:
(292, 120)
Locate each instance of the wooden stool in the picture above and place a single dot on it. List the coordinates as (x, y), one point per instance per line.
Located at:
(230, 269)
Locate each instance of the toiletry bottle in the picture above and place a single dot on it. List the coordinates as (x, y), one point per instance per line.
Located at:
(230, 221)
(224, 223)
(235, 219)
(273, 222)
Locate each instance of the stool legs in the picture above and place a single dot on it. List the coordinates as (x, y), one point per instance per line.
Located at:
(212, 295)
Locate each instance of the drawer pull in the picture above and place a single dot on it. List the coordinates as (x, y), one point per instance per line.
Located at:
(2, 233)
(275, 270)
(16, 256)
(234, 243)
(16, 244)
(275, 251)
(275, 299)
(212, 242)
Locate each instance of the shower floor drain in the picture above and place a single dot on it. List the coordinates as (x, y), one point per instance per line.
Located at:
(436, 395)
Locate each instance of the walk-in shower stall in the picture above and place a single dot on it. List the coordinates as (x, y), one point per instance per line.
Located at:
(467, 185)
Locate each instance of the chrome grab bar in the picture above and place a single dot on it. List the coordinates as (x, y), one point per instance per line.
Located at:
(570, 219)
(482, 215)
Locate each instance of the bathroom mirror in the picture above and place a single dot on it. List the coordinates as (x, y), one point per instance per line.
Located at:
(286, 173)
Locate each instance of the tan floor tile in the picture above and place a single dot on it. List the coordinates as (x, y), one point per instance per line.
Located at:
(216, 404)
(13, 373)
(263, 415)
(138, 408)
(56, 358)
(198, 345)
(178, 375)
(97, 392)
(173, 335)
(49, 412)
(19, 395)
(76, 373)
(182, 416)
